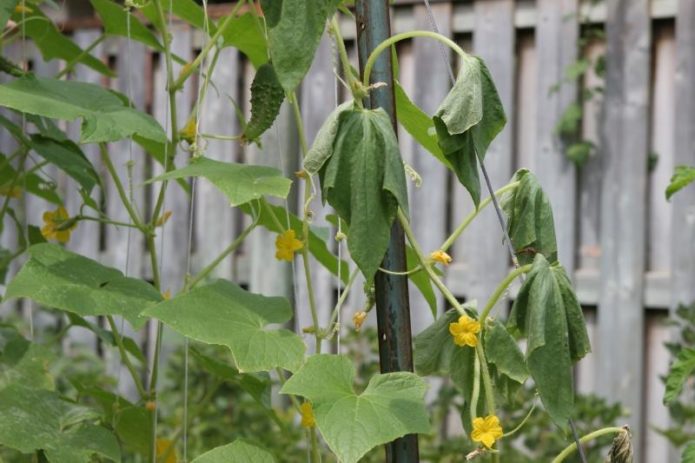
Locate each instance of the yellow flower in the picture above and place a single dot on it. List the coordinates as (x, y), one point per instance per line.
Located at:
(163, 446)
(486, 430)
(441, 257)
(166, 295)
(286, 244)
(189, 131)
(57, 225)
(465, 331)
(20, 8)
(358, 319)
(307, 412)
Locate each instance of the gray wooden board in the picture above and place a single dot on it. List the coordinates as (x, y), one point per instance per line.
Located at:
(620, 347)
(557, 31)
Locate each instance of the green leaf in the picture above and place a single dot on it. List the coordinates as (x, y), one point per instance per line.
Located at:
(418, 124)
(106, 115)
(23, 362)
(434, 346)
(421, 281)
(577, 69)
(237, 452)
(224, 314)
(294, 32)
(506, 361)
(689, 453)
(160, 151)
(115, 19)
(39, 419)
(681, 369)
(570, 119)
(267, 213)
(467, 121)
(547, 313)
(530, 219)
(682, 176)
(364, 181)
(33, 183)
(240, 183)
(58, 278)
(53, 44)
(107, 336)
(188, 10)
(580, 152)
(322, 149)
(266, 98)
(68, 157)
(6, 10)
(246, 34)
(391, 406)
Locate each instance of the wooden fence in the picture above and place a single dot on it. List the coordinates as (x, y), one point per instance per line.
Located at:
(632, 254)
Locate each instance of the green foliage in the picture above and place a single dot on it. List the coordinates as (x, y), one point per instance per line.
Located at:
(322, 149)
(468, 119)
(530, 219)
(246, 34)
(507, 363)
(364, 181)
(681, 369)
(391, 406)
(688, 453)
(118, 21)
(58, 278)
(418, 124)
(682, 177)
(67, 156)
(240, 183)
(6, 9)
(224, 314)
(187, 10)
(267, 96)
(238, 451)
(547, 313)
(106, 116)
(294, 32)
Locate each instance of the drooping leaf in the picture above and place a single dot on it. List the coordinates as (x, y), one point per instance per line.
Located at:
(245, 33)
(267, 96)
(115, 21)
(548, 314)
(224, 314)
(294, 32)
(106, 116)
(188, 10)
(418, 124)
(38, 421)
(317, 244)
(322, 149)
(467, 121)
(681, 369)
(530, 219)
(507, 363)
(53, 44)
(391, 406)
(433, 347)
(682, 176)
(240, 183)
(364, 180)
(237, 452)
(68, 157)
(58, 278)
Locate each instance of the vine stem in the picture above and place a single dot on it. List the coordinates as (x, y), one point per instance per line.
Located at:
(404, 36)
(343, 297)
(134, 216)
(469, 218)
(71, 65)
(584, 439)
(501, 288)
(126, 360)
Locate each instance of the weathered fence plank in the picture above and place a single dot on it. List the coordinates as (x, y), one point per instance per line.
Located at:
(620, 347)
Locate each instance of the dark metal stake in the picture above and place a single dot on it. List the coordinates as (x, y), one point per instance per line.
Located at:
(392, 304)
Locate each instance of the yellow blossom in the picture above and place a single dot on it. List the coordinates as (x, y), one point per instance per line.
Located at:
(486, 430)
(166, 295)
(57, 225)
(21, 8)
(150, 406)
(163, 448)
(441, 257)
(358, 319)
(465, 331)
(164, 218)
(307, 412)
(286, 244)
(189, 131)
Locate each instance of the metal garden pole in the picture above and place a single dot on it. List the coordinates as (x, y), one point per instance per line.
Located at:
(392, 304)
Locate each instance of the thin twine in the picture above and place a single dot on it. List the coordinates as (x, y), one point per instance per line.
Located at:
(336, 89)
(498, 210)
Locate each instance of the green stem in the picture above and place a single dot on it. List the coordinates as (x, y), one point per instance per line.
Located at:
(351, 80)
(125, 358)
(315, 453)
(343, 297)
(71, 65)
(487, 381)
(13, 183)
(501, 288)
(221, 29)
(591, 436)
(523, 422)
(106, 221)
(469, 218)
(415, 269)
(228, 250)
(403, 36)
(119, 187)
(475, 394)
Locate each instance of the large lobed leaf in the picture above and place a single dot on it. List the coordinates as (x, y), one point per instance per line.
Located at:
(240, 183)
(224, 314)
(530, 219)
(106, 116)
(467, 121)
(547, 313)
(294, 32)
(237, 452)
(364, 180)
(391, 406)
(58, 278)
